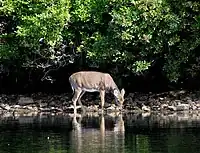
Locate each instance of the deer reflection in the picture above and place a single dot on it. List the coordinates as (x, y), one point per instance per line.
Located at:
(119, 134)
(77, 132)
(86, 139)
(102, 131)
(119, 125)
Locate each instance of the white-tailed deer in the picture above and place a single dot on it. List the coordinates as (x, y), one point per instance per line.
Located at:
(91, 81)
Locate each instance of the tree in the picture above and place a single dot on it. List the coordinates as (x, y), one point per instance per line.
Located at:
(130, 35)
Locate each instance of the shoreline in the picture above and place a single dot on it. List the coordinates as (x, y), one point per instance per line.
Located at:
(172, 101)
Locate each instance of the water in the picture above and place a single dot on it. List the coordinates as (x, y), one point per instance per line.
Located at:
(100, 134)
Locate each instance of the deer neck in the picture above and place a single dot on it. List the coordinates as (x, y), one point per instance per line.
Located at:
(114, 87)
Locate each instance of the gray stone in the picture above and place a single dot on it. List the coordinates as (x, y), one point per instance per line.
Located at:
(188, 98)
(112, 107)
(172, 108)
(146, 108)
(194, 107)
(177, 101)
(189, 101)
(25, 101)
(17, 106)
(155, 108)
(52, 104)
(45, 109)
(43, 104)
(161, 99)
(182, 107)
(143, 98)
(131, 95)
(164, 106)
(5, 106)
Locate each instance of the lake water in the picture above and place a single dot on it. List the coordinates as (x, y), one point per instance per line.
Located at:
(127, 133)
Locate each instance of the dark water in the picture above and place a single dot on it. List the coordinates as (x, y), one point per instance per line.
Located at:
(100, 134)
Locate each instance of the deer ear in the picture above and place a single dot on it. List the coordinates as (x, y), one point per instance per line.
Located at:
(123, 92)
(116, 93)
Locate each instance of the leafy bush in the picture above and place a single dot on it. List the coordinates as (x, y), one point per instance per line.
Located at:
(133, 34)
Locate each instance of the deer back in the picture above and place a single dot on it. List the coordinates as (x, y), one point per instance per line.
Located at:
(91, 80)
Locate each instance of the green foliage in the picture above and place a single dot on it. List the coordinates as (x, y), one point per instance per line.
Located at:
(140, 29)
(37, 19)
(47, 24)
(128, 33)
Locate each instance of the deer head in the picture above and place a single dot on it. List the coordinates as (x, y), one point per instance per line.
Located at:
(119, 96)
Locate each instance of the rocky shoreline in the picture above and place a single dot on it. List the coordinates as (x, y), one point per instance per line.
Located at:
(172, 101)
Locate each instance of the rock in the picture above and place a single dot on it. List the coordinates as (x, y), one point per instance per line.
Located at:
(182, 92)
(182, 107)
(55, 109)
(191, 103)
(168, 107)
(66, 103)
(112, 107)
(194, 107)
(164, 106)
(93, 108)
(131, 95)
(146, 108)
(198, 104)
(35, 109)
(52, 108)
(173, 93)
(72, 107)
(43, 104)
(52, 103)
(146, 114)
(172, 108)
(176, 102)
(143, 98)
(188, 98)
(45, 109)
(197, 101)
(152, 101)
(129, 100)
(17, 106)
(5, 106)
(29, 108)
(96, 108)
(181, 100)
(161, 99)
(25, 101)
(155, 108)
(136, 108)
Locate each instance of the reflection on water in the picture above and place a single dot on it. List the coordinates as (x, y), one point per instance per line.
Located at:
(78, 133)
(84, 140)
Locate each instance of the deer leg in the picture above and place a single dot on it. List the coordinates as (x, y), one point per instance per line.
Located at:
(102, 95)
(77, 93)
(79, 100)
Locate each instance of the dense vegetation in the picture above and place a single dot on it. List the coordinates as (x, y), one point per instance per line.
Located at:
(123, 37)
